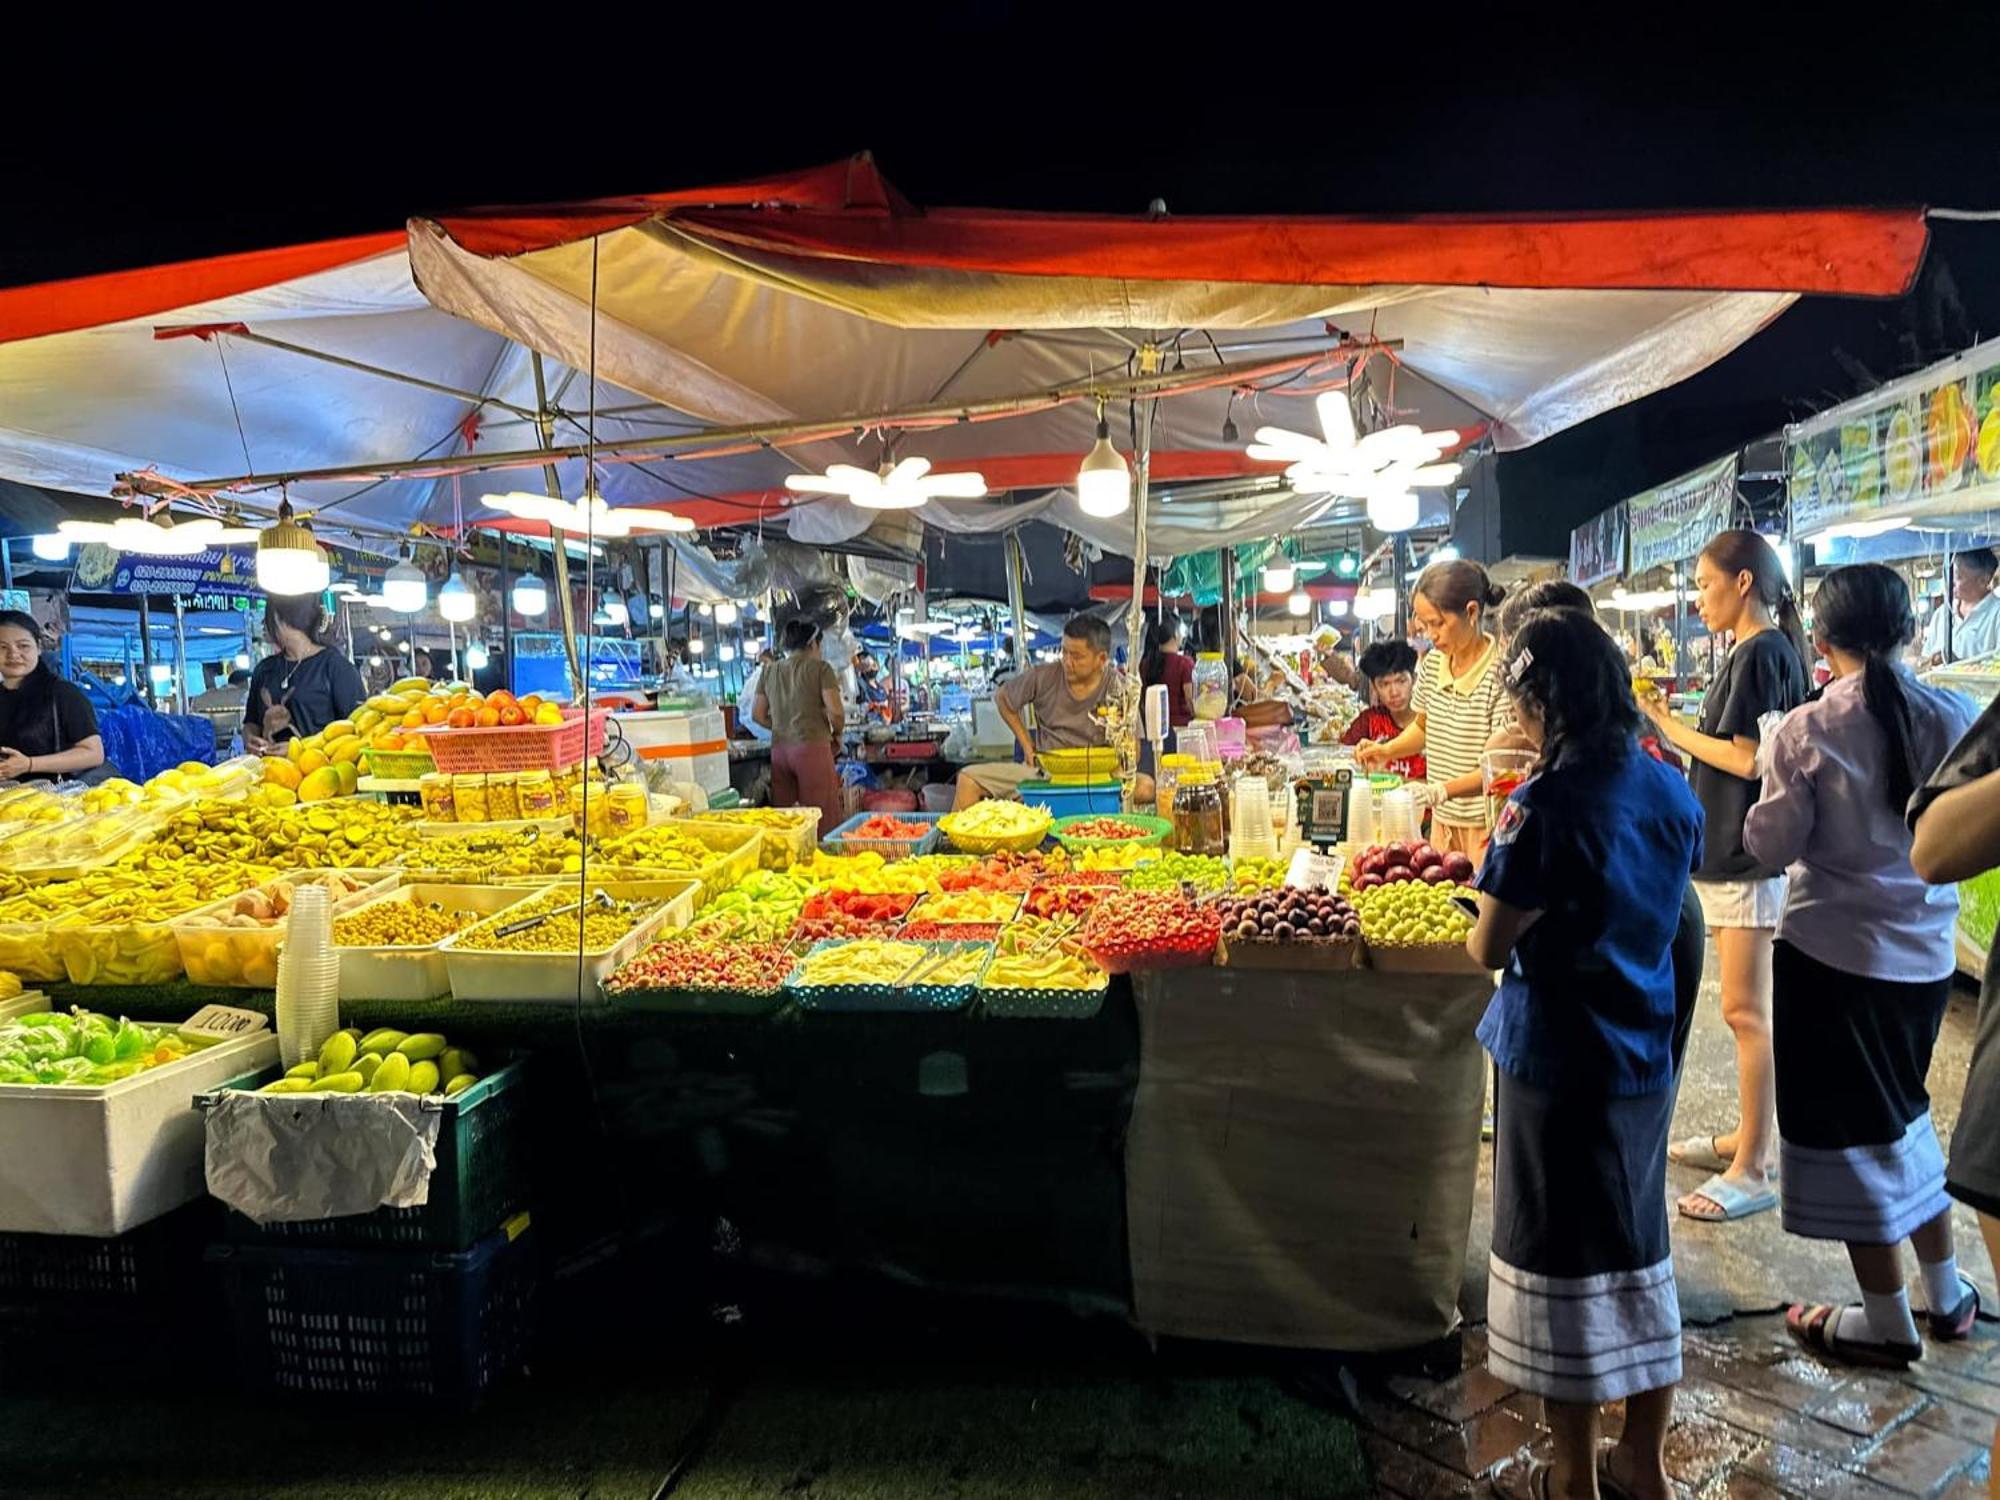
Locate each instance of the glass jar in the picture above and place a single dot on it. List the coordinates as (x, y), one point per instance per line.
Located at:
(1168, 777)
(538, 794)
(434, 791)
(503, 798)
(468, 795)
(625, 808)
(1211, 685)
(1200, 825)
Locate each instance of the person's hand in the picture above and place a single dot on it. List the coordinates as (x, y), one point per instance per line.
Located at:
(1424, 794)
(13, 764)
(1371, 755)
(1028, 758)
(1654, 707)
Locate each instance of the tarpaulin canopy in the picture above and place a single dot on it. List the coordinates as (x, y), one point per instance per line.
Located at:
(743, 333)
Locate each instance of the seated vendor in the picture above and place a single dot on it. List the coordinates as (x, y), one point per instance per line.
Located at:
(1066, 698)
(48, 730)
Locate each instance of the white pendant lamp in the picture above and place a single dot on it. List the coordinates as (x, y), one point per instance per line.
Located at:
(161, 538)
(289, 559)
(1104, 480)
(899, 486)
(404, 588)
(50, 547)
(1300, 603)
(531, 595)
(614, 611)
(696, 645)
(1392, 510)
(726, 613)
(726, 652)
(456, 602)
(1279, 576)
(476, 657)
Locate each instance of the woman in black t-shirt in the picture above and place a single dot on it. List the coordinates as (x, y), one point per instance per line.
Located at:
(303, 688)
(47, 727)
(1740, 588)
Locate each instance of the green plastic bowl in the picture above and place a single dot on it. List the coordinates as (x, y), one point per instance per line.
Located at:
(1157, 828)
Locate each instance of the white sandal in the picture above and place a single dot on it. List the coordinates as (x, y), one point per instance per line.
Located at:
(1698, 1151)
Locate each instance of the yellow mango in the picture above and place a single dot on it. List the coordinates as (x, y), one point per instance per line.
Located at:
(421, 1047)
(383, 1039)
(459, 1085)
(288, 1086)
(306, 1070)
(423, 1078)
(340, 1083)
(392, 1076)
(337, 1056)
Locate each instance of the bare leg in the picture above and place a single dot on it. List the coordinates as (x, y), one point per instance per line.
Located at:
(965, 793)
(1744, 955)
(1573, 1466)
(1879, 1268)
(1639, 1460)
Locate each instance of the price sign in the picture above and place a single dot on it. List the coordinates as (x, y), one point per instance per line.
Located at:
(1323, 806)
(222, 1023)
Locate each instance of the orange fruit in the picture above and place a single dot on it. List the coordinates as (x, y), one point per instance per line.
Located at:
(512, 714)
(502, 699)
(280, 772)
(530, 703)
(414, 719)
(457, 700)
(462, 718)
(435, 712)
(487, 717)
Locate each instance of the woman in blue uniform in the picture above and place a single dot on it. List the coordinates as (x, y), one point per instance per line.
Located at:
(1580, 896)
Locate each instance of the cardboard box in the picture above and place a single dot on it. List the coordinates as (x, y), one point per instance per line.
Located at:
(1428, 958)
(1304, 958)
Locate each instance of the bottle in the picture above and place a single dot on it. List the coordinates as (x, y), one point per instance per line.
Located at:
(537, 793)
(1211, 685)
(625, 808)
(1200, 826)
(434, 790)
(468, 795)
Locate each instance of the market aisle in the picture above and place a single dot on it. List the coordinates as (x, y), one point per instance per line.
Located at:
(1756, 1416)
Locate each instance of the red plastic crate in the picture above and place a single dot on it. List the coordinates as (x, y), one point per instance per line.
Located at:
(517, 747)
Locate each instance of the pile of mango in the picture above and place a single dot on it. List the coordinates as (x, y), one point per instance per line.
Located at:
(385, 1061)
(479, 857)
(356, 835)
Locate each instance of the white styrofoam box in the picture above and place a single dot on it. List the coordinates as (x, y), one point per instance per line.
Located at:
(693, 744)
(100, 1161)
(415, 973)
(711, 772)
(27, 1003)
(486, 974)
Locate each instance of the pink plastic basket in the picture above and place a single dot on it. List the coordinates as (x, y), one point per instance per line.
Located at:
(518, 747)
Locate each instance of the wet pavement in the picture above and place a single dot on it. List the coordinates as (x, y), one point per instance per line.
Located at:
(1755, 1415)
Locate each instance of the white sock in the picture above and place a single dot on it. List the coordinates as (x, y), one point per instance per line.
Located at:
(1881, 1319)
(1942, 1289)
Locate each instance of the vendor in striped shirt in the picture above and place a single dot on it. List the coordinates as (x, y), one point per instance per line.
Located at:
(1459, 702)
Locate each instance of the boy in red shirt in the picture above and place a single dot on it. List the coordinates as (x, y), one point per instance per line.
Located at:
(1391, 670)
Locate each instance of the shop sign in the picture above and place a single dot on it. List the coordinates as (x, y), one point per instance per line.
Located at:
(207, 580)
(1597, 548)
(1925, 445)
(1673, 521)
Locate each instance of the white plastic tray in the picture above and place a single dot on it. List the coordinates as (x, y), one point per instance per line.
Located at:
(100, 1161)
(414, 973)
(552, 977)
(249, 946)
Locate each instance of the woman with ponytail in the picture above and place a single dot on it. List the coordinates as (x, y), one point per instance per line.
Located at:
(1861, 972)
(1740, 589)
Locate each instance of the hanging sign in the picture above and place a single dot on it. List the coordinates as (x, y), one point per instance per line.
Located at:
(1597, 548)
(1925, 445)
(211, 579)
(1673, 521)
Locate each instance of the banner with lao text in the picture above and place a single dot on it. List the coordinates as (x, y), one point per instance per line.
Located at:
(1925, 445)
(1597, 548)
(1673, 521)
(216, 578)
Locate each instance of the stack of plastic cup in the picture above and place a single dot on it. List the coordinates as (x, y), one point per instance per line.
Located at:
(1396, 817)
(308, 978)
(1361, 813)
(1251, 835)
(1197, 740)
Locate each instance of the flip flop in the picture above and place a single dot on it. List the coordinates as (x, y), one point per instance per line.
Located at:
(1735, 1202)
(1947, 1327)
(1698, 1151)
(1541, 1474)
(1813, 1327)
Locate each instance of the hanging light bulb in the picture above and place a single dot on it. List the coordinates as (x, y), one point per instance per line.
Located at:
(1104, 481)
(1447, 553)
(704, 610)
(1300, 603)
(476, 657)
(1392, 512)
(457, 602)
(382, 632)
(375, 659)
(725, 652)
(531, 595)
(696, 645)
(403, 587)
(289, 559)
(726, 613)
(1279, 576)
(243, 661)
(1337, 608)
(50, 547)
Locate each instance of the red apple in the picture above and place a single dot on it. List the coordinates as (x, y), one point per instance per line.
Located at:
(1396, 854)
(1424, 857)
(1368, 882)
(1458, 866)
(1399, 875)
(1370, 863)
(1433, 875)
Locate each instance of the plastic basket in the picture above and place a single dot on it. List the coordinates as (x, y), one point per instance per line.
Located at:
(382, 1324)
(480, 1180)
(842, 840)
(412, 973)
(1003, 1004)
(247, 957)
(529, 978)
(781, 848)
(1075, 766)
(925, 910)
(518, 747)
(977, 843)
(1104, 798)
(400, 765)
(737, 851)
(881, 997)
(1156, 828)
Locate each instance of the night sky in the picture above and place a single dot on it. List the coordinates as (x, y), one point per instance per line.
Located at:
(1235, 117)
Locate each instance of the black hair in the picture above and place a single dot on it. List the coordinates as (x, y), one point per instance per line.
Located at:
(1741, 551)
(241, 676)
(1452, 586)
(1387, 658)
(1865, 609)
(1574, 677)
(1092, 631)
(1549, 593)
(36, 694)
(799, 634)
(302, 612)
(1979, 559)
(1153, 665)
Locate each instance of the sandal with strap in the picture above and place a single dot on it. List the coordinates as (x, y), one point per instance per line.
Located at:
(1698, 1151)
(1813, 1327)
(1730, 1200)
(1948, 1327)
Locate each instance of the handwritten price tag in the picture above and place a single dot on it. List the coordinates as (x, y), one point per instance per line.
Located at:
(222, 1023)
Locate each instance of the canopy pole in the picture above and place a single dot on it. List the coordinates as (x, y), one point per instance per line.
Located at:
(146, 650)
(1142, 466)
(1017, 604)
(180, 657)
(1228, 642)
(546, 421)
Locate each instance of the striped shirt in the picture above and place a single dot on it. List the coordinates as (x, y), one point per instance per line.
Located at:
(1460, 715)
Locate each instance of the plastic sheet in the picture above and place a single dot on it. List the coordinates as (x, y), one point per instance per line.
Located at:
(286, 1157)
(142, 743)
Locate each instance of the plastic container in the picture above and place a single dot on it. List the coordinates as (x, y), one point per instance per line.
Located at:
(400, 765)
(388, 973)
(996, 843)
(1501, 772)
(434, 791)
(247, 957)
(860, 998)
(468, 797)
(480, 1180)
(737, 851)
(1154, 829)
(385, 1324)
(1070, 801)
(538, 795)
(782, 847)
(118, 952)
(1211, 685)
(503, 797)
(1003, 1004)
(1078, 766)
(842, 840)
(1396, 816)
(109, 1158)
(28, 951)
(625, 809)
(518, 747)
(536, 978)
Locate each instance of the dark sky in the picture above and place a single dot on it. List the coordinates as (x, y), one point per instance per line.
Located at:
(1240, 113)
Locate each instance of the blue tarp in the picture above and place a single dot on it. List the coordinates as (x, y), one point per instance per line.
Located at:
(142, 743)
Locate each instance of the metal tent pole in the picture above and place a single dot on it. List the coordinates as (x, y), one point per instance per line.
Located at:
(180, 657)
(507, 615)
(146, 650)
(545, 419)
(1017, 596)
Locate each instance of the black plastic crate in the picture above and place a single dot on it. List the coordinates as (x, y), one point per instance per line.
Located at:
(382, 1324)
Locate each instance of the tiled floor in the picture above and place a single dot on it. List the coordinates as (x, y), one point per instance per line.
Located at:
(1756, 1416)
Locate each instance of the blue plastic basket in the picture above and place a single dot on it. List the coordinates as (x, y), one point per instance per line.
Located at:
(842, 841)
(382, 1324)
(1072, 801)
